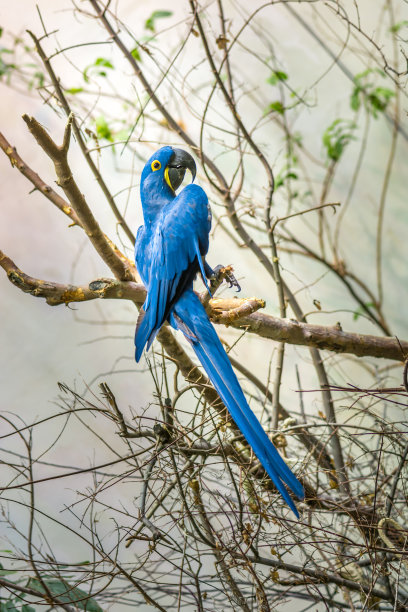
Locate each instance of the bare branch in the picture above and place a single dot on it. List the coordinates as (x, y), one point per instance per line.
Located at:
(63, 101)
(231, 312)
(59, 155)
(38, 183)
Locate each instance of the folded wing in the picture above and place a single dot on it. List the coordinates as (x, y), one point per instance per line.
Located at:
(179, 241)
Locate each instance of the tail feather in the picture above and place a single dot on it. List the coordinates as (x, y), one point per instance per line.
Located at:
(145, 333)
(190, 315)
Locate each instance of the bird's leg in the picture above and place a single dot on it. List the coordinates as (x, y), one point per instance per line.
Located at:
(218, 274)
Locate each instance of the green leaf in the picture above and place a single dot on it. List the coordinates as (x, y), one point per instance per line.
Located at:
(281, 178)
(375, 99)
(5, 68)
(378, 100)
(135, 53)
(74, 90)
(94, 68)
(27, 608)
(397, 26)
(150, 22)
(337, 136)
(361, 75)
(8, 606)
(355, 101)
(102, 129)
(40, 78)
(1, 32)
(277, 106)
(360, 310)
(384, 92)
(101, 61)
(67, 594)
(276, 76)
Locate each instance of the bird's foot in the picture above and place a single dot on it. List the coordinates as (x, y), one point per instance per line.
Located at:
(224, 272)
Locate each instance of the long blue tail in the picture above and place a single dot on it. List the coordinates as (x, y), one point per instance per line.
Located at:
(189, 316)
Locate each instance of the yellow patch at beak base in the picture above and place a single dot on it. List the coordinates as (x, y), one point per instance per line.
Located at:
(167, 178)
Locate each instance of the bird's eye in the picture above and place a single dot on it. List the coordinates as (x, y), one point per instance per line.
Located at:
(156, 165)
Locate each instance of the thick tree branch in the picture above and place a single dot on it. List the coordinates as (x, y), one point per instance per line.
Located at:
(57, 293)
(59, 155)
(54, 197)
(37, 181)
(54, 293)
(330, 338)
(230, 312)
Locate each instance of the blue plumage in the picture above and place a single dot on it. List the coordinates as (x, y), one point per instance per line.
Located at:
(169, 251)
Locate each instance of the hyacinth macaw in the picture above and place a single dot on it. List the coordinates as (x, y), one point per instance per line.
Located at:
(170, 250)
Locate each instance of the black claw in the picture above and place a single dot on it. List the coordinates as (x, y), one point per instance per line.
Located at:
(229, 277)
(235, 283)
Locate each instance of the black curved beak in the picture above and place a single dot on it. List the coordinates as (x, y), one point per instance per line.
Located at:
(179, 162)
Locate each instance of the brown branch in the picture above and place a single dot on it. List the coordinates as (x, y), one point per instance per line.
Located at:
(324, 337)
(59, 155)
(313, 444)
(231, 312)
(230, 102)
(237, 596)
(340, 270)
(55, 198)
(56, 293)
(227, 311)
(37, 181)
(82, 144)
(12, 586)
(170, 120)
(322, 576)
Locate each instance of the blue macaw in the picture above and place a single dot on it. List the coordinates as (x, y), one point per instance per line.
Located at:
(170, 250)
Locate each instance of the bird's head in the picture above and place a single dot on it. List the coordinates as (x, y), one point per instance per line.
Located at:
(165, 171)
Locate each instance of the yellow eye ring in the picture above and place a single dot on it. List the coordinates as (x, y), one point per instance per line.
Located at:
(155, 165)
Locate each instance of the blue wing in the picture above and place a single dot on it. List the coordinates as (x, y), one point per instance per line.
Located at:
(169, 258)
